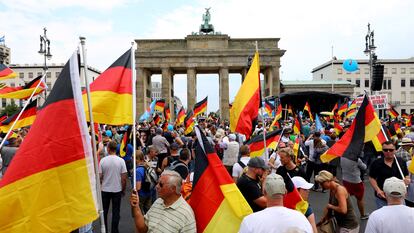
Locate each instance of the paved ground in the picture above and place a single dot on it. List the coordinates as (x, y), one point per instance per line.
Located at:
(317, 200)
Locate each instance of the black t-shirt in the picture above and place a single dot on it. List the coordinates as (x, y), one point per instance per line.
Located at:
(251, 190)
(380, 171)
(180, 167)
(297, 171)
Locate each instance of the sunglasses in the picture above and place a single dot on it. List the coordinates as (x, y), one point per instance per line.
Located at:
(388, 150)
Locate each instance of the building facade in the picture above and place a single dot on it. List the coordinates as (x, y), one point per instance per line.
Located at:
(27, 72)
(4, 54)
(398, 83)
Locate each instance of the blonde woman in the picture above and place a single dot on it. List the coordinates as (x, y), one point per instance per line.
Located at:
(339, 206)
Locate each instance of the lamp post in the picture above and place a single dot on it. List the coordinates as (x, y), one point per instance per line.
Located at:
(45, 51)
(370, 51)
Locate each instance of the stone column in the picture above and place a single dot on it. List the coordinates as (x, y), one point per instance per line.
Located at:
(272, 79)
(143, 88)
(243, 74)
(191, 87)
(268, 84)
(224, 93)
(167, 87)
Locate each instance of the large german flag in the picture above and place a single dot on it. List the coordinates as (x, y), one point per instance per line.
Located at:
(200, 107)
(189, 123)
(27, 118)
(256, 143)
(180, 116)
(247, 101)
(292, 199)
(111, 93)
(6, 72)
(159, 105)
(23, 92)
(167, 113)
(50, 184)
(393, 113)
(365, 127)
(217, 203)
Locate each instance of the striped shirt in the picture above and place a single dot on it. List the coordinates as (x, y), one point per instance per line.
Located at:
(178, 217)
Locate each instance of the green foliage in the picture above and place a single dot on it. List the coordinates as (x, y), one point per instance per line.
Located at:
(10, 109)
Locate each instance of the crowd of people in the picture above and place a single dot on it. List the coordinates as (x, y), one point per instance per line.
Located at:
(165, 164)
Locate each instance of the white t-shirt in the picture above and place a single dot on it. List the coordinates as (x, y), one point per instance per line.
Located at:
(230, 154)
(237, 169)
(275, 219)
(277, 163)
(312, 148)
(391, 219)
(111, 167)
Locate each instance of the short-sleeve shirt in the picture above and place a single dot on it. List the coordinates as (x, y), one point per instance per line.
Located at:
(380, 171)
(140, 174)
(251, 190)
(111, 168)
(178, 217)
(237, 169)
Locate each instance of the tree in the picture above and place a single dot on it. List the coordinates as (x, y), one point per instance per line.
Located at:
(10, 109)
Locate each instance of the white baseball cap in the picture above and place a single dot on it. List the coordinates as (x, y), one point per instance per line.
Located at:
(274, 184)
(394, 187)
(299, 182)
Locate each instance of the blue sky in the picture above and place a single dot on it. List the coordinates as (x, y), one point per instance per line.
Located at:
(308, 30)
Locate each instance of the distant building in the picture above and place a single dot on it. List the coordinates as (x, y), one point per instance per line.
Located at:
(4, 54)
(398, 83)
(156, 90)
(27, 72)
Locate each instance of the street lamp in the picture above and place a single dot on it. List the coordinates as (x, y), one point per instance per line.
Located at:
(45, 51)
(370, 51)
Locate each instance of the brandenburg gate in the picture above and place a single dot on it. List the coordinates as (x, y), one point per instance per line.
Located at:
(205, 52)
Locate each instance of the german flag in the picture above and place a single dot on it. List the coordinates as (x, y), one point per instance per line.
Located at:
(269, 108)
(256, 143)
(126, 139)
(293, 200)
(189, 123)
(351, 113)
(156, 119)
(409, 120)
(338, 128)
(3, 117)
(6, 72)
(394, 128)
(290, 110)
(365, 127)
(278, 116)
(200, 107)
(217, 203)
(27, 118)
(167, 113)
(247, 101)
(164, 126)
(297, 127)
(343, 109)
(393, 113)
(159, 105)
(308, 109)
(335, 107)
(23, 92)
(50, 184)
(111, 94)
(352, 106)
(296, 147)
(180, 116)
(404, 115)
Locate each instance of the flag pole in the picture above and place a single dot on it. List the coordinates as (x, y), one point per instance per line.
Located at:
(261, 111)
(92, 128)
(21, 111)
(134, 131)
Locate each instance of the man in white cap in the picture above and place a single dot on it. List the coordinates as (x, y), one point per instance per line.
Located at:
(276, 217)
(395, 217)
(404, 150)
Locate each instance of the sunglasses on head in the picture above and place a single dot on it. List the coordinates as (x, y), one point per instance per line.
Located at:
(388, 150)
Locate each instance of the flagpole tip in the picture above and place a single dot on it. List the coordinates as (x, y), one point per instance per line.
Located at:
(82, 39)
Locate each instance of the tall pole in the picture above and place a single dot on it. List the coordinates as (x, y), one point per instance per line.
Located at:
(45, 51)
(134, 110)
(92, 127)
(370, 52)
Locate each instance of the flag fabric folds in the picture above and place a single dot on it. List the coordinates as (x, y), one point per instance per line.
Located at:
(50, 184)
(156, 119)
(365, 127)
(308, 109)
(269, 108)
(126, 139)
(342, 109)
(180, 116)
(167, 113)
(159, 105)
(111, 94)
(189, 123)
(350, 113)
(247, 101)
(256, 143)
(23, 92)
(27, 118)
(200, 107)
(393, 113)
(217, 203)
(6, 72)
(297, 127)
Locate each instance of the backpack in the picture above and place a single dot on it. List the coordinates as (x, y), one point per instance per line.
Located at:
(176, 164)
(150, 179)
(243, 166)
